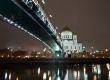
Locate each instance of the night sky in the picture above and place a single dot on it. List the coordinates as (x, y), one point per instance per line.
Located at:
(89, 19)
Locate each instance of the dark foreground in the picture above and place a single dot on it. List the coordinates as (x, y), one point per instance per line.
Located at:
(55, 71)
(54, 61)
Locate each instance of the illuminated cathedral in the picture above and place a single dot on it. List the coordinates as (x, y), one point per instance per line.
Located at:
(70, 43)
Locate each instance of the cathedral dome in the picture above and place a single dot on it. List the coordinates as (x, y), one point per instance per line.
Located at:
(66, 28)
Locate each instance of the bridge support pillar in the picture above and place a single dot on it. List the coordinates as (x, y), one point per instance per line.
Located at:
(58, 54)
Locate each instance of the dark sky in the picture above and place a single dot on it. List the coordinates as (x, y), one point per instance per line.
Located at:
(89, 19)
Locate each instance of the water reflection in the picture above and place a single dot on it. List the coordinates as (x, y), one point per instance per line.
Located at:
(55, 72)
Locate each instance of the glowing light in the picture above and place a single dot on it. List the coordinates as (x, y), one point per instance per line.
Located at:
(50, 16)
(17, 78)
(109, 75)
(50, 78)
(58, 78)
(10, 76)
(57, 48)
(44, 49)
(84, 70)
(5, 18)
(108, 66)
(37, 56)
(44, 76)
(98, 69)
(6, 75)
(75, 74)
(43, 1)
(11, 22)
(48, 73)
(58, 72)
(18, 26)
(38, 71)
(94, 78)
(38, 52)
(66, 76)
(58, 55)
(15, 24)
(106, 50)
(78, 74)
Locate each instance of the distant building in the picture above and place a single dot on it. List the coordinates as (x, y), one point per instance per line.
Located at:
(69, 41)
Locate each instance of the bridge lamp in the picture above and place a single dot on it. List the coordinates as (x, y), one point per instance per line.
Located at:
(11, 22)
(57, 48)
(58, 55)
(8, 20)
(43, 1)
(15, 24)
(19, 26)
(50, 16)
(5, 18)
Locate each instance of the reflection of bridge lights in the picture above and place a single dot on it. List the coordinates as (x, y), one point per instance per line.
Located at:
(84, 70)
(38, 71)
(6, 75)
(108, 66)
(58, 78)
(50, 78)
(78, 74)
(10, 76)
(44, 76)
(58, 72)
(17, 78)
(75, 74)
(109, 75)
(94, 77)
(48, 73)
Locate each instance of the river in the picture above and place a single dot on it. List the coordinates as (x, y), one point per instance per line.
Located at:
(55, 72)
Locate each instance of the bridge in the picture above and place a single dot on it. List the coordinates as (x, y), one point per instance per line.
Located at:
(28, 16)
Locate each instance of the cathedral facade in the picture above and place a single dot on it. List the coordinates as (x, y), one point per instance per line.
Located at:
(70, 43)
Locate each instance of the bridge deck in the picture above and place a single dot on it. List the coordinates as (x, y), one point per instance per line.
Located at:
(26, 18)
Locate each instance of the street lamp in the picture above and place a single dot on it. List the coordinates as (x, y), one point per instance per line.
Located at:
(84, 48)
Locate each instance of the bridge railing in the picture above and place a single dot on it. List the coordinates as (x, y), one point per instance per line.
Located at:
(41, 14)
